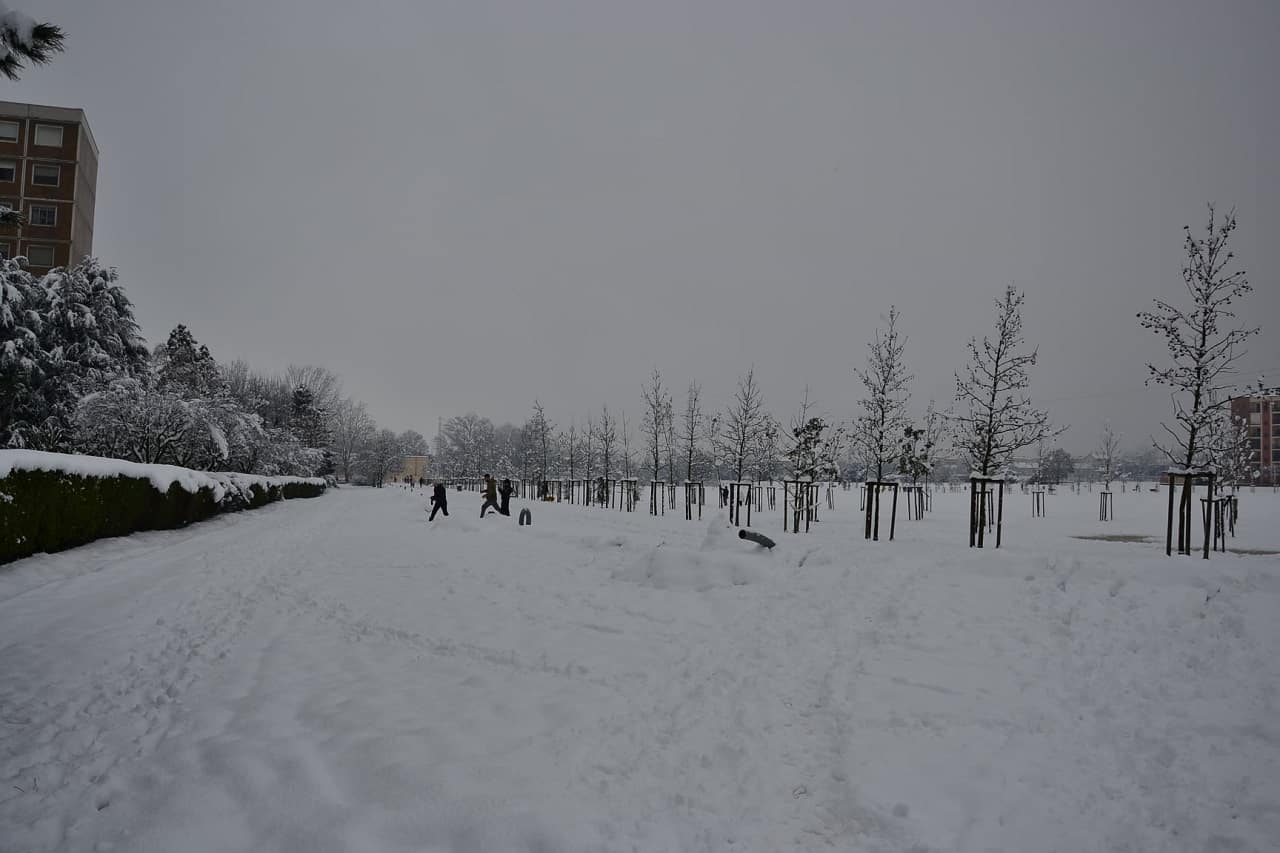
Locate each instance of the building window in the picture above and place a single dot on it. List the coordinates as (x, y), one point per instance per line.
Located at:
(44, 214)
(4, 251)
(40, 256)
(8, 131)
(8, 171)
(49, 134)
(45, 175)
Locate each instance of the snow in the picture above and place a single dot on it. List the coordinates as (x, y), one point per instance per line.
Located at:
(340, 675)
(18, 25)
(161, 476)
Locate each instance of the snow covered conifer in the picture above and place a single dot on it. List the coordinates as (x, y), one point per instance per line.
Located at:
(187, 367)
(306, 420)
(809, 454)
(88, 333)
(21, 350)
(23, 39)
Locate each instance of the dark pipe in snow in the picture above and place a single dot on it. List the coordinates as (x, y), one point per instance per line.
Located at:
(758, 538)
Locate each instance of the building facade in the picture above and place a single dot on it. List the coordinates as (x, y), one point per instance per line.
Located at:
(49, 173)
(1263, 413)
(412, 467)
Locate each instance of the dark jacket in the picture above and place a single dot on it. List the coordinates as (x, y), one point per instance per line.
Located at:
(439, 495)
(490, 490)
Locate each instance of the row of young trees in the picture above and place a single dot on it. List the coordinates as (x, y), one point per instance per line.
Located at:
(745, 441)
(991, 419)
(77, 376)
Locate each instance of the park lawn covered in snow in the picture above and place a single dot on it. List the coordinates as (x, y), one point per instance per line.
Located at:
(339, 675)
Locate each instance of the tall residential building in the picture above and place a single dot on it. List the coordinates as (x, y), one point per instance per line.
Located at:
(49, 172)
(1263, 413)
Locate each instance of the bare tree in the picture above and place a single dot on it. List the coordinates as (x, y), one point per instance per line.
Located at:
(352, 428)
(324, 384)
(589, 456)
(653, 424)
(626, 444)
(607, 436)
(880, 427)
(22, 39)
(1108, 452)
(744, 422)
(539, 433)
(691, 427)
(997, 418)
(572, 445)
(669, 440)
(1202, 352)
(468, 441)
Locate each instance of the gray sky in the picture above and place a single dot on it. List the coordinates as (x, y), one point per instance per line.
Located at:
(461, 206)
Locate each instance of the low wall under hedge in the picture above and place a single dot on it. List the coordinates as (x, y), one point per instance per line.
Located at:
(55, 510)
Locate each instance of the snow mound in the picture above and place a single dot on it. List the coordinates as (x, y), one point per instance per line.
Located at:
(663, 567)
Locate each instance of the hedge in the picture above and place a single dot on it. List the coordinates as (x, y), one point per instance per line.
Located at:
(55, 510)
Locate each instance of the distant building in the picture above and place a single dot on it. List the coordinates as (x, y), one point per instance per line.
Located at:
(1263, 413)
(414, 467)
(49, 173)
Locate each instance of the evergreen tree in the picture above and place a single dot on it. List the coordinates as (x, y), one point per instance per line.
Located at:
(23, 39)
(306, 420)
(187, 367)
(22, 356)
(86, 334)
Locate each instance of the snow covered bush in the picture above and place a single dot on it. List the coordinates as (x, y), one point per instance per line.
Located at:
(54, 501)
(60, 336)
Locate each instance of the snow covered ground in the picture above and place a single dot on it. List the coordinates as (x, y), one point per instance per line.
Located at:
(339, 675)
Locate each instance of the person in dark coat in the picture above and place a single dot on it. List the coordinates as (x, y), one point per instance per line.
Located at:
(504, 493)
(490, 494)
(439, 501)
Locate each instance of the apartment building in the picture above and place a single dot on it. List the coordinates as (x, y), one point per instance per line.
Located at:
(49, 173)
(1263, 412)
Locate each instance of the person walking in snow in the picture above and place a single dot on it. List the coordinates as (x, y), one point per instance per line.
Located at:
(439, 501)
(504, 492)
(490, 494)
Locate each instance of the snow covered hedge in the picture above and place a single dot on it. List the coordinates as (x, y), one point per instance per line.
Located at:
(53, 501)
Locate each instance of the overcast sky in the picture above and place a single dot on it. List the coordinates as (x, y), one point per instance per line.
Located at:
(461, 206)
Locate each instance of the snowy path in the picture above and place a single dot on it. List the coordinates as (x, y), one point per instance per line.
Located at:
(337, 674)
